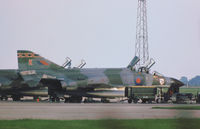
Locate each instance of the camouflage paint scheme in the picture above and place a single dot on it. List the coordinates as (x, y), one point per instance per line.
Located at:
(36, 72)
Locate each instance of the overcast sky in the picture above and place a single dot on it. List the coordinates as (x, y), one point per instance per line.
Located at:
(102, 32)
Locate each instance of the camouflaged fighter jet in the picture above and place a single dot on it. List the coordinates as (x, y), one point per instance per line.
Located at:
(37, 74)
(13, 85)
(37, 71)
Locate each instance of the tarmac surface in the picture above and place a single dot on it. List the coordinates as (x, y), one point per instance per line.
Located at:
(66, 111)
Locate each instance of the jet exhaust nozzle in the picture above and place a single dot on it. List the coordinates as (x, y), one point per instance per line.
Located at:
(176, 82)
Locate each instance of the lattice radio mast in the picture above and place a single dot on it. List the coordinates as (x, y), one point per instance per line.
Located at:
(141, 46)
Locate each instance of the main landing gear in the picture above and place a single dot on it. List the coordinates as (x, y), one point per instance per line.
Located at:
(3, 98)
(73, 99)
(54, 99)
(16, 98)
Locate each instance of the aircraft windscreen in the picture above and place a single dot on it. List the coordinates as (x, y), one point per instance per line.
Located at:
(155, 73)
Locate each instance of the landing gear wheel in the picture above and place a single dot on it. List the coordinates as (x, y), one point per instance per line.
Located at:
(144, 101)
(130, 100)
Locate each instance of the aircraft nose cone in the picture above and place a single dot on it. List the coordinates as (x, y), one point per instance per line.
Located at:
(176, 82)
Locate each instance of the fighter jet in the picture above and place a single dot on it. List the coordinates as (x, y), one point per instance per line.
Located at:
(37, 76)
(36, 72)
(13, 85)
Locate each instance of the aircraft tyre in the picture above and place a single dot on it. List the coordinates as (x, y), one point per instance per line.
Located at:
(144, 101)
(130, 100)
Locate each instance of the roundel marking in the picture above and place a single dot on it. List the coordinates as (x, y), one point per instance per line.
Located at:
(138, 81)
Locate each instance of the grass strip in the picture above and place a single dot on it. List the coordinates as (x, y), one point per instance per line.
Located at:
(102, 124)
(179, 107)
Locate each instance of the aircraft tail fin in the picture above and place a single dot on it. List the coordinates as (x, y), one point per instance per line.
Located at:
(28, 60)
